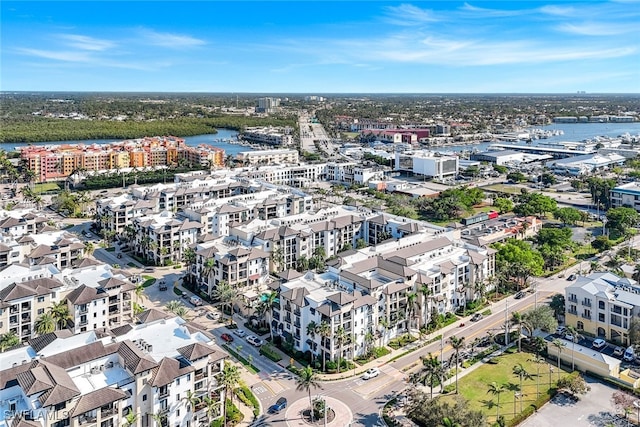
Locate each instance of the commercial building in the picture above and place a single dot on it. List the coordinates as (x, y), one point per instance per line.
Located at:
(603, 304)
(580, 165)
(507, 157)
(269, 135)
(267, 105)
(427, 164)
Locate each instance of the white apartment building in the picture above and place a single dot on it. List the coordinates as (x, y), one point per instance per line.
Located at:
(163, 237)
(116, 213)
(268, 157)
(89, 379)
(353, 173)
(20, 222)
(603, 304)
(626, 195)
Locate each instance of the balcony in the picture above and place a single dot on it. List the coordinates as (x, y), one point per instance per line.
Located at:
(83, 310)
(201, 375)
(572, 311)
(107, 412)
(163, 392)
(573, 298)
(586, 303)
(83, 322)
(586, 316)
(296, 312)
(14, 309)
(87, 419)
(297, 323)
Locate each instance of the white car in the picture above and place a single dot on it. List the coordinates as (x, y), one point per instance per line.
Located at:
(599, 343)
(239, 332)
(371, 373)
(568, 337)
(254, 340)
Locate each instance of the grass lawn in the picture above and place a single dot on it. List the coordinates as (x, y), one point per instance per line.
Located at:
(45, 186)
(503, 188)
(148, 281)
(474, 386)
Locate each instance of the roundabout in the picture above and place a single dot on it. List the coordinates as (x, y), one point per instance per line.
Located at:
(338, 414)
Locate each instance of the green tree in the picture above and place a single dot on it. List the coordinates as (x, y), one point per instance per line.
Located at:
(45, 324)
(130, 419)
(503, 205)
(60, 313)
(541, 317)
(307, 380)
(557, 305)
(574, 384)
(229, 379)
(433, 412)
(516, 177)
(457, 343)
(521, 372)
(559, 346)
(496, 390)
(519, 259)
(432, 372)
(267, 303)
(8, 340)
(173, 306)
(228, 295)
(568, 215)
(340, 336)
(622, 219)
(324, 330)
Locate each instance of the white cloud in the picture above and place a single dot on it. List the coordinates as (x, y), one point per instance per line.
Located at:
(87, 58)
(496, 13)
(85, 42)
(66, 56)
(598, 29)
(558, 10)
(409, 15)
(170, 40)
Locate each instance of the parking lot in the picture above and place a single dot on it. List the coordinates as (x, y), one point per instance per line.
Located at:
(612, 350)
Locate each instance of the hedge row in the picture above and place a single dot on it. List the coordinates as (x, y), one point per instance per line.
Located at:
(249, 399)
(250, 367)
(270, 353)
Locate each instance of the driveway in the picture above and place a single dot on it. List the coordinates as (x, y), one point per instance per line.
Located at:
(593, 409)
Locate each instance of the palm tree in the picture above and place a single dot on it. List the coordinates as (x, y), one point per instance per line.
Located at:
(181, 312)
(517, 319)
(269, 300)
(191, 400)
(227, 294)
(412, 300)
(312, 327)
(425, 291)
(576, 337)
(159, 418)
(368, 340)
(173, 305)
(433, 372)
(60, 313)
(559, 345)
(139, 291)
(212, 407)
(340, 337)
(324, 330)
(130, 419)
(384, 325)
(496, 390)
(457, 344)
(89, 248)
(8, 340)
(229, 378)
(539, 361)
(45, 324)
(307, 380)
(520, 371)
(207, 268)
(189, 258)
(277, 257)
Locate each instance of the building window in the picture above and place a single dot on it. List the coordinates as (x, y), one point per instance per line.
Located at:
(40, 310)
(601, 317)
(601, 305)
(580, 326)
(40, 299)
(144, 397)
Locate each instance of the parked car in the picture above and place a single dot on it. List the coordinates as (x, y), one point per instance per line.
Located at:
(213, 316)
(571, 278)
(226, 337)
(568, 337)
(371, 373)
(195, 301)
(629, 354)
(560, 330)
(280, 404)
(162, 285)
(618, 351)
(599, 343)
(254, 340)
(519, 295)
(149, 269)
(476, 317)
(239, 332)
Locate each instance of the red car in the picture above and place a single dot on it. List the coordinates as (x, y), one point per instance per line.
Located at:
(226, 337)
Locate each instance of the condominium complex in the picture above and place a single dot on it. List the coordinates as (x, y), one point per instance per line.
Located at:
(427, 164)
(267, 157)
(97, 379)
(626, 195)
(603, 304)
(60, 161)
(269, 135)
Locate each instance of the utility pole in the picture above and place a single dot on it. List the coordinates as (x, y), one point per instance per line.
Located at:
(441, 346)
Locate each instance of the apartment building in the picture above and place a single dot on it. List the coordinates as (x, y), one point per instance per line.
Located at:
(61, 161)
(626, 195)
(352, 173)
(367, 291)
(163, 237)
(268, 157)
(57, 247)
(298, 176)
(226, 259)
(88, 379)
(603, 304)
(19, 222)
(117, 213)
(427, 164)
(270, 135)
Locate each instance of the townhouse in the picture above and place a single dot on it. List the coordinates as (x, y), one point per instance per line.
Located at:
(603, 304)
(268, 157)
(160, 369)
(117, 213)
(19, 222)
(52, 246)
(269, 135)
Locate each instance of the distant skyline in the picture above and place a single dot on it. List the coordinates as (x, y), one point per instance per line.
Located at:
(321, 47)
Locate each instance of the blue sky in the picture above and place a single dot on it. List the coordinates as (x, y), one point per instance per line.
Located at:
(321, 47)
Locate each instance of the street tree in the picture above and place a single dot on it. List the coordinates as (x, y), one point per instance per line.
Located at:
(568, 215)
(503, 205)
(307, 380)
(541, 318)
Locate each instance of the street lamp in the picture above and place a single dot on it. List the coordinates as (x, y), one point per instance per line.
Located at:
(516, 395)
(550, 373)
